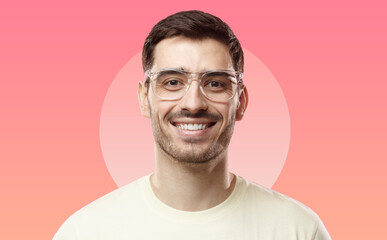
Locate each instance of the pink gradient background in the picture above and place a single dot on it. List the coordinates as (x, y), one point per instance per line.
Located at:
(57, 61)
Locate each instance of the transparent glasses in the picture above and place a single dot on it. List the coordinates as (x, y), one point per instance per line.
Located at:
(217, 85)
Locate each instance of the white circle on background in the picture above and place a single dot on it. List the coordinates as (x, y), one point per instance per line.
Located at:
(258, 147)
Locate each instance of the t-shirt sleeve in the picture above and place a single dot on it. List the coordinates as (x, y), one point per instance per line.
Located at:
(321, 232)
(66, 231)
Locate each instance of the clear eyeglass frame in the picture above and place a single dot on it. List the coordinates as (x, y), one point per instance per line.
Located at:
(151, 77)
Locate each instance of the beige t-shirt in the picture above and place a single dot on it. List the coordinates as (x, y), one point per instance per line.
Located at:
(250, 212)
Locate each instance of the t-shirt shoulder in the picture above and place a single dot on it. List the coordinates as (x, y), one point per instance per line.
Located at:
(276, 202)
(276, 209)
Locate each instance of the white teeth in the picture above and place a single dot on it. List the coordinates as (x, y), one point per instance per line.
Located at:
(192, 127)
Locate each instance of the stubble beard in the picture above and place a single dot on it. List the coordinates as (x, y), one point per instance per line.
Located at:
(192, 153)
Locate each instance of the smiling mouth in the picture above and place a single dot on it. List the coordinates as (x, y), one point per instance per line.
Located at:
(193, 126)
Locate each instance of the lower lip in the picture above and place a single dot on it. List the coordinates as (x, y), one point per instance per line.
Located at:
(191, 133)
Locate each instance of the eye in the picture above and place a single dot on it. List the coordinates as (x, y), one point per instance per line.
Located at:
(215, 84)
(172, 82)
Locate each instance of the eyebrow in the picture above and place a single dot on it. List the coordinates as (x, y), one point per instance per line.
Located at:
(163, 72)
(179, 69)
(218, 73)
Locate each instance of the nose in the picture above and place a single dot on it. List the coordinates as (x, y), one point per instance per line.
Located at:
(194, 100)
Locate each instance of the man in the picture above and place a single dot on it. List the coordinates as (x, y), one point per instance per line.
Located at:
(193, 93)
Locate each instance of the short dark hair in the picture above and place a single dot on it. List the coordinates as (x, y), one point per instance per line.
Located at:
(196, 25)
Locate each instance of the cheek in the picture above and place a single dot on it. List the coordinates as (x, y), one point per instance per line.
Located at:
(227, 111)
(231, 109)
(163, 109)
(231, 113)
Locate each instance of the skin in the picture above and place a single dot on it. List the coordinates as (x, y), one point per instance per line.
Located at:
(191, 166)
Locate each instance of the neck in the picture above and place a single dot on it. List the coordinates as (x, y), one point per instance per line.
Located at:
(192, 187)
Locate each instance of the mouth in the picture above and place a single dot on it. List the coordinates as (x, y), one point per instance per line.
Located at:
(193, 126)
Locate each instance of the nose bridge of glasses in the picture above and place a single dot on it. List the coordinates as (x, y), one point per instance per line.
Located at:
(194, 77)
(193, 99)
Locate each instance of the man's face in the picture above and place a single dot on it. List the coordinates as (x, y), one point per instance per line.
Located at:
(169, 117)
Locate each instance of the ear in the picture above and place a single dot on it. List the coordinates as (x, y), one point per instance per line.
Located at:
(142, 94)
(242, 104)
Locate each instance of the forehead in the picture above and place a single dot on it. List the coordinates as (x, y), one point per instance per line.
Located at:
(193, 55)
